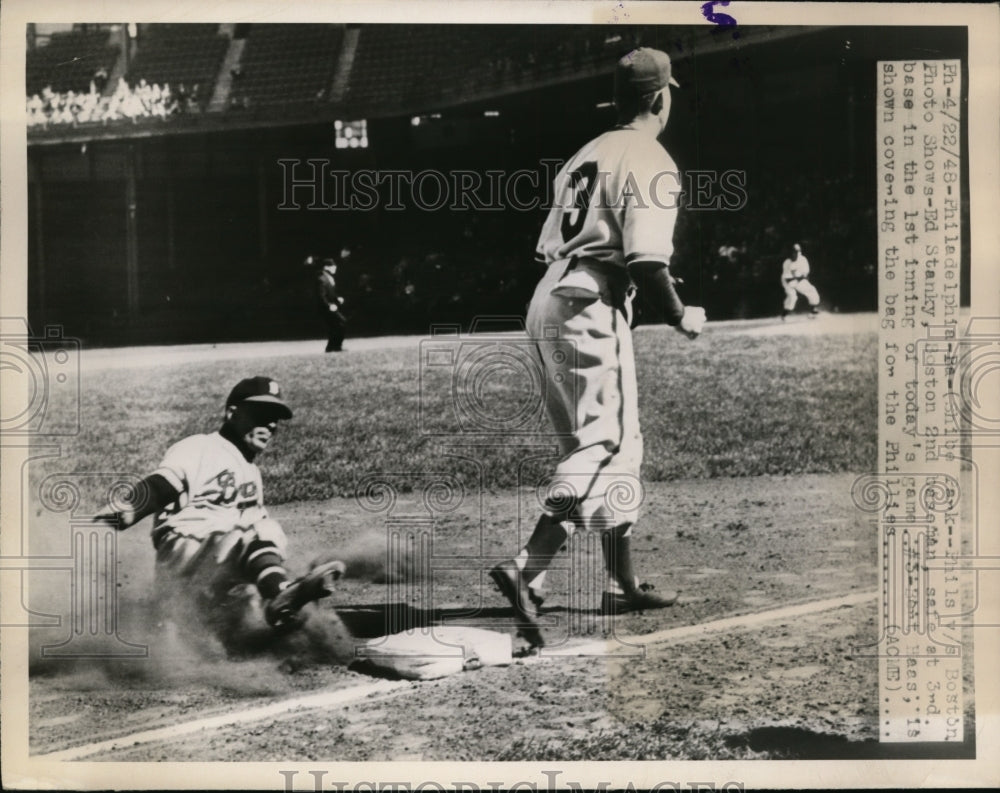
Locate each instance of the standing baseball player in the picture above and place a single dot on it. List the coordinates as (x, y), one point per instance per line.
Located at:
(610, 229)
(331, 303)
(795, 281)
(211, 531)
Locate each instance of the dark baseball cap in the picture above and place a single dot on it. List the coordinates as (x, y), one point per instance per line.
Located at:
(260, 390)
(643, 71)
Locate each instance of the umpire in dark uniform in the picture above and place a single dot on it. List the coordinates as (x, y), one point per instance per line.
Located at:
(331, 304)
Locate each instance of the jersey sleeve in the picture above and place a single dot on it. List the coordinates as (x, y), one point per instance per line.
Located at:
(650, 195)
(550, 229)
(179, 463)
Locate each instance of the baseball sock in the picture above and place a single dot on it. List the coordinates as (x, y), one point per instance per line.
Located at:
(617, 546)
(546, 540)
(263, 565)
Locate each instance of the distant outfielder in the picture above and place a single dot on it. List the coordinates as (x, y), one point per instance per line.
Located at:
(795, 280)
(611, 225)
(211, 532)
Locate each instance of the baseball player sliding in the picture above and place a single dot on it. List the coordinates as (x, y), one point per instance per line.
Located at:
(610, 229)
(211, 531)
(795, 281)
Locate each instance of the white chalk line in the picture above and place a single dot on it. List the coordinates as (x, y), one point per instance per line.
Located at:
(308, 702)
(384, 687)
(687, 633)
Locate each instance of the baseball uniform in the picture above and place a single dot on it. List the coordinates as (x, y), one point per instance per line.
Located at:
(330, 304)
(211, 531)
(615, 203)
(613, 214)
(795, 282)
(220, 505)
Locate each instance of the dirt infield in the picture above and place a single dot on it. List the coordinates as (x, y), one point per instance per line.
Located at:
(736, 547)
(766, 654)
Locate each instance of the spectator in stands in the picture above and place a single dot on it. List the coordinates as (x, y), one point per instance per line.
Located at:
(100, 80)
(36, 110)
(71, 107)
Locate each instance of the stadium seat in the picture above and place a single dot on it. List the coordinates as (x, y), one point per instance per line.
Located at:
(287, 64)
(182, 53)
(69, 61)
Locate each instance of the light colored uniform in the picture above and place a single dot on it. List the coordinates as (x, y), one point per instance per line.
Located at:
(219, 512)
(615, 202)
(795, 280)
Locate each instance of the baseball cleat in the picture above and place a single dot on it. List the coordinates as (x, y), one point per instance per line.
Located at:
(511, 584)
(282, 610)
(640, 599)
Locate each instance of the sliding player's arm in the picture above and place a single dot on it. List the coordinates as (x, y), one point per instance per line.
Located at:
(151, 495)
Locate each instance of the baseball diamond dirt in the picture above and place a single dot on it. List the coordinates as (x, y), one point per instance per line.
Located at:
(766, 653)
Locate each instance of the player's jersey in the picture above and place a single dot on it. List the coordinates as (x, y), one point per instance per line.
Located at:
(795, 269)
(615, 201)
(219, 488)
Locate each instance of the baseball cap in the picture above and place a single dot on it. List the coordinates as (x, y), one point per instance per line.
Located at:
(261, 390)
(643, 71)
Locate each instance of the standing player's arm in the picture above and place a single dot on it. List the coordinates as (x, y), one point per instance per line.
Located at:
(654, 278)
(150, 496)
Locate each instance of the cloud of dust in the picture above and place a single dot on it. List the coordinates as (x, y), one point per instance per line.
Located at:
(235, 654)
(369, 557)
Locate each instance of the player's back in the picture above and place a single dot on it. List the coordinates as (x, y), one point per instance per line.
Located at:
(614, 201)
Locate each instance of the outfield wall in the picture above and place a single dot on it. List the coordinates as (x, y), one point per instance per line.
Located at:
(198, 233)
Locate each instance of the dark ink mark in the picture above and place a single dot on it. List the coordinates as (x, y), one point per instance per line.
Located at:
(708, 9)
(722, 20)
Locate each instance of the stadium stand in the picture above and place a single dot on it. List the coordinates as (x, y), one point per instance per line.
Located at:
(386, 55)
(286, 64)
(461, 62)
(450, 98)
(126, 103)
(184, 56)
(69, 61)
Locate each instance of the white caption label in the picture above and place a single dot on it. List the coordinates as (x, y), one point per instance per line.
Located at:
(916, 494)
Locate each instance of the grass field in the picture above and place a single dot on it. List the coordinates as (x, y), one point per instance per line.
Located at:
(723, 405)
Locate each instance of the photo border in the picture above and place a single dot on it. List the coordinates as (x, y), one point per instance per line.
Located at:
(23, 772)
